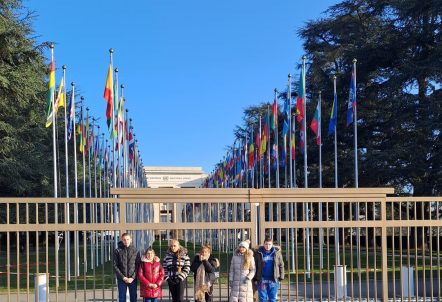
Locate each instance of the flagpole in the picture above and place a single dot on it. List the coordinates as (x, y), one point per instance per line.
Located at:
(84, 159)
(292, 183)
(97, 137)
(89, 153)
(53, 132)
(321, 230)
(356, 134)
(77, 238)
(90, 186)
(68, 272)
(114, 142)
(276, 139)
(125, 149)
(268, 146)
(338, 261)
(355, 127)
(100, 166)
(289, 97)
(261, 177)
(304, 121)
(66, 139)
(294, 149)
(54, 143)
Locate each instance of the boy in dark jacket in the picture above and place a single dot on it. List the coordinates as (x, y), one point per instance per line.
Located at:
(272, 271)
(125, 261)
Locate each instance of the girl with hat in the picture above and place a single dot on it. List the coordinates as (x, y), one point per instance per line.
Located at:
(242, 270)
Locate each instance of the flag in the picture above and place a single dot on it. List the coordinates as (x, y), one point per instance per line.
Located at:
(120, 120)
(333, 116)
(264, 138)
(300, 99)
(109, 96)
(80, 134)
(131, 145)
(51, 94)
(285, 130)
(60, 100)
(251, 152)
(258, 145)
(70, 117)
(274, 116)
(316, 124)
(302, 137)
(114, 132)
(351, 99)
(293, 138)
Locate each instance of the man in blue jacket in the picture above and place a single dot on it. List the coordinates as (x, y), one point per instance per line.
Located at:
(272, 271)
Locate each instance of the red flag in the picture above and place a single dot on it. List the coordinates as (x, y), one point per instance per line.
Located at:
(109, 96)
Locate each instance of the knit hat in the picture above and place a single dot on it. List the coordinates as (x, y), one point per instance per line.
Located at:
(244, 244)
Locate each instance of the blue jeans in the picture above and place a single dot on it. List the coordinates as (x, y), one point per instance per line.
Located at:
(150, 300)
(122, 288)
(267, 290)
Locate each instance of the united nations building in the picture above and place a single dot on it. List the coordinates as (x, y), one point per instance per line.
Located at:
(172, 177)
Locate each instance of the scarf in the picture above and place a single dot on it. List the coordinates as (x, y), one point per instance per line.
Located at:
(202, 284)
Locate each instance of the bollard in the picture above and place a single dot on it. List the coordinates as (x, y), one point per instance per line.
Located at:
(340, 281)
(41, 287)
(407, 281)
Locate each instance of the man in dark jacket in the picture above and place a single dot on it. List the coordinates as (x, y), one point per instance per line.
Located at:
(126, 261)
(272, 270)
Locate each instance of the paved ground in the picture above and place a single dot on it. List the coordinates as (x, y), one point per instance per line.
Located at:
(221, 294)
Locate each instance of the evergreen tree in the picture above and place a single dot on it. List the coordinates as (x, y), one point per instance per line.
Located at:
(398, 47)
(25, 145)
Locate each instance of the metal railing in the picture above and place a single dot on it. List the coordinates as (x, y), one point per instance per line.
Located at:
(338, 244)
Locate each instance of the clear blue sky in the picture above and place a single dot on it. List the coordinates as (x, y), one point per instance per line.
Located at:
(189, 68)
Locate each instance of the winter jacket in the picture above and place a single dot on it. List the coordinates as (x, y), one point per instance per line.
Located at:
(126, 261)
(150, 273)
(278, 262)
(258, 266)
(210, 265)
(240, 280)
(176, 265)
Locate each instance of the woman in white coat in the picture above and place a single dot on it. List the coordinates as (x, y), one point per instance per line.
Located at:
(242, 270)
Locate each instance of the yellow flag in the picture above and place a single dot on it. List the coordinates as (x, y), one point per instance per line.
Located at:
(59, 102)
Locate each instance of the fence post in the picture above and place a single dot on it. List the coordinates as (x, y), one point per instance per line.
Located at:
(253, 220)
(123, 217)
(384, 249)
(41, 287)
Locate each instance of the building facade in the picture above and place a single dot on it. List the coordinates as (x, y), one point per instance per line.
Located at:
(172, 177)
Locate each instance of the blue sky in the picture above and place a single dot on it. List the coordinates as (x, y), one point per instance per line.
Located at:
(189, 68)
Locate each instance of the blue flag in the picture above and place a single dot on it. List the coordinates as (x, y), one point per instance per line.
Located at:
(333, 116)
(351, 99)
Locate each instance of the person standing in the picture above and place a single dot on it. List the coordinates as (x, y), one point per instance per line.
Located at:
(125, 262)
(151, 276)
(272, 271)
(204, 267)
(176, 266)
(242, 270)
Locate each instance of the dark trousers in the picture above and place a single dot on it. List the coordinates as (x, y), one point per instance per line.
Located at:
(122, 288)
(176, 291)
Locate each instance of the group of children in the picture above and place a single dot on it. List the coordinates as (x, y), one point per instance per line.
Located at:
(258, 270)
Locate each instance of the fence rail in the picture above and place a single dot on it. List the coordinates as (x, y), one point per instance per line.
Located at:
(338, 244)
